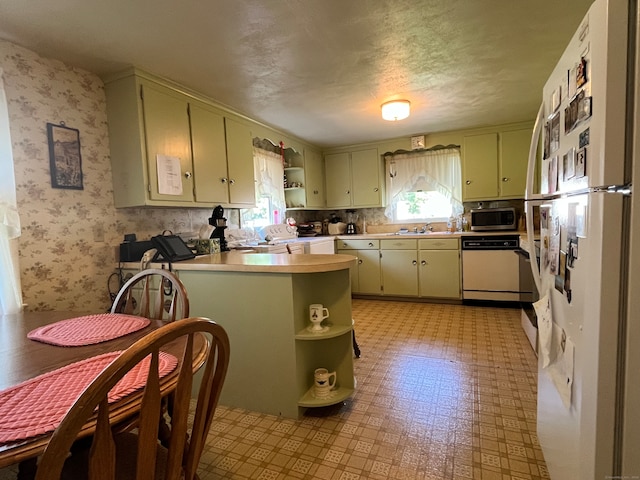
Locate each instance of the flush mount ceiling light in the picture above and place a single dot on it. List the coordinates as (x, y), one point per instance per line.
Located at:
(395, 110)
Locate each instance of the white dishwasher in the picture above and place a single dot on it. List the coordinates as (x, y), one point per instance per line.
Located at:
(490, 268)
(316, 245)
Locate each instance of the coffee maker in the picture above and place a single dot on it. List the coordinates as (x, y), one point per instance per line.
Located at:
(217, 220)
(351, 222)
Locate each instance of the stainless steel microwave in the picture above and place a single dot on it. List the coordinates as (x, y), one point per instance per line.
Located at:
(488, 219)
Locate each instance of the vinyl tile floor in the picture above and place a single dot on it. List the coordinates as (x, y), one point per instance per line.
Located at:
(443, 392)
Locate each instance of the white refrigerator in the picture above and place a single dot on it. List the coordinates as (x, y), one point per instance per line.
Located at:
(579, 202)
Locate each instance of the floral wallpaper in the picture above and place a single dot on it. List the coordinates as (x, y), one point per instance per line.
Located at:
(69, 237)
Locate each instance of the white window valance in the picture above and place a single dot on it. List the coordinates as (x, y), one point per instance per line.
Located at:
(427, 170)
(269, 175)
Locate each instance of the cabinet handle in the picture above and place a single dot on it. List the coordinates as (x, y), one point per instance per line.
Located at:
(468, 182)
(223, 180)
(375, 189)
(423, 263)
(505, 179)
(370, 244)
(232, 181)
(187, 174)
(344, 245)
(315, 192)
(347, 192)
(359, 262)
(415, 262)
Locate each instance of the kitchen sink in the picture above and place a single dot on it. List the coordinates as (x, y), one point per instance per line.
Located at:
(410, 232)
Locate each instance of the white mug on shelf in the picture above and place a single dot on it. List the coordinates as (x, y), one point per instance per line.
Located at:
(322, 384)
(317, 313)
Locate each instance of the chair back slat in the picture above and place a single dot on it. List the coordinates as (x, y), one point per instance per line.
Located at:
(180, 415)
(153, 296)
(148, 424)
(102, 465)
(185, 449)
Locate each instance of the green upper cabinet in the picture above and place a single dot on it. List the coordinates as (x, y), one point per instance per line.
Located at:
(365, 178)
(314, 178)
(353, 179)
(494, 165)
(338, 179)
(242, 189)
(168, 141)
(169, 149)
(514, 156)
(222, 158)
(480, 167)
(209, 154)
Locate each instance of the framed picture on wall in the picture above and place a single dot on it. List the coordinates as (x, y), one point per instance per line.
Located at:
(64, 156)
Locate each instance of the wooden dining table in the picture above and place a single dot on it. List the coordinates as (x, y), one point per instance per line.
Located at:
(22, 359)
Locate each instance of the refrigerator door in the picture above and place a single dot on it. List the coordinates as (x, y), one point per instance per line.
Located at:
(583, 109)
(580, 262)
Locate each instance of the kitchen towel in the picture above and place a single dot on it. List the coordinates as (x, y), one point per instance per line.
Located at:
(88, 329)
(37, 406)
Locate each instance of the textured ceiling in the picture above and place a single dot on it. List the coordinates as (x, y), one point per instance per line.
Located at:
(320, 69)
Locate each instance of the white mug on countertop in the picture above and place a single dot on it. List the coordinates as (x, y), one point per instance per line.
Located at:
(317, 313)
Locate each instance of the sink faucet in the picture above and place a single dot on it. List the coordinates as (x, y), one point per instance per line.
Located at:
(425, 228)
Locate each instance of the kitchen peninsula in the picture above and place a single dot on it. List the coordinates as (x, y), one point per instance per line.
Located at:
(262, 301)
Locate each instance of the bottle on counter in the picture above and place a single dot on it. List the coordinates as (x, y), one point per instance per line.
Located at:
(451, 225)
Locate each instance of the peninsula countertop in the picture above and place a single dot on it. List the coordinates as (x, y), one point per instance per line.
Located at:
(246, 261)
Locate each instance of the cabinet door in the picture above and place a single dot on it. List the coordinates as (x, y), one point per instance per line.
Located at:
(167, 135)
(242, 189)
(314, 178)
(480, 167)
(209, 155)
(514, 155)
(368, 271)
(365, 178)
(353, 270)
(338, 180)
(399, 272)
(439, 273)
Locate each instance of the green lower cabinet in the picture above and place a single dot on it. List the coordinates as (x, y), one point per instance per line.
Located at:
(439, 273)
(439, 268)
(365, 274)
(405, 267)
(399, 272)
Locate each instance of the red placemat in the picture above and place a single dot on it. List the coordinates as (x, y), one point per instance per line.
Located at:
(87, 330)
(37, 406)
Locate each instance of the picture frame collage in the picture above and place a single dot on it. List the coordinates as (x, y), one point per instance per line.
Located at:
(562, 167)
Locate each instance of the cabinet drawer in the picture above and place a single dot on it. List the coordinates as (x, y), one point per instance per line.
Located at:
(399, 244)
(438, 244)
(357, 244)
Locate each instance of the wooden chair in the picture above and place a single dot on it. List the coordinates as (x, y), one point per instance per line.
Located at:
(139, 455)
(161, 296)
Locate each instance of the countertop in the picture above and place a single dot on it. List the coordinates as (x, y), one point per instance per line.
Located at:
(243, 261)
(369, 236)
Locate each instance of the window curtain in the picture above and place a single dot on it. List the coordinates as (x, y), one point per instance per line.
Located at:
(269, 174)
(428, 170)
(10, 290)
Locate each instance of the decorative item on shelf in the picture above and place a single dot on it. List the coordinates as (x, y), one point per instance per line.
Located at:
(395, 110)
(317, 313)
(322, 385)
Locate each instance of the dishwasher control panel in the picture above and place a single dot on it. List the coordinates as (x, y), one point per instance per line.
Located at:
(491, 242)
